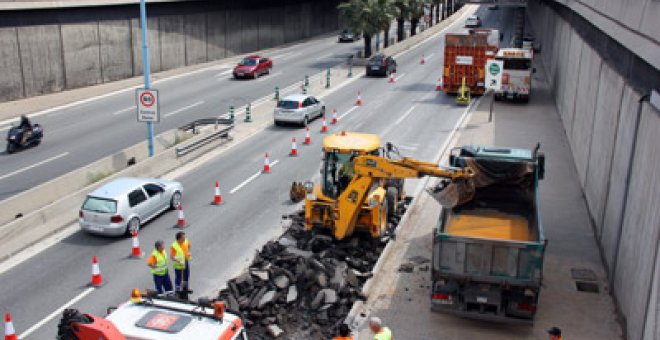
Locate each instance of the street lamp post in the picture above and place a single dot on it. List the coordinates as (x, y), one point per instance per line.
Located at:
(146, 70)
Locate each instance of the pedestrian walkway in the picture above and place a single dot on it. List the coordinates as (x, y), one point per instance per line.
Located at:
(402, 299)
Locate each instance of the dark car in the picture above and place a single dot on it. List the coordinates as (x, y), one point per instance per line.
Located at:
(252, 67)
(347, 35)
(380, 65)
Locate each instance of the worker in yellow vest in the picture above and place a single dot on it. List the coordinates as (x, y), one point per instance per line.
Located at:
(380, 332)
(158, 263)
(180, 255)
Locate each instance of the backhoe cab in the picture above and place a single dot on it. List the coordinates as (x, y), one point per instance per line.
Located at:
(361, 184)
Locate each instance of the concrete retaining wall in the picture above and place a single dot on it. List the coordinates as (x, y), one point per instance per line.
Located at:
(56, 49)
(614, 139)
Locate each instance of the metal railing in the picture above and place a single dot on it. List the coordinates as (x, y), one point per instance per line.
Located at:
(224, 125)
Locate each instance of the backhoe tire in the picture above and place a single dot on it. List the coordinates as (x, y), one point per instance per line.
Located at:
(391, 198)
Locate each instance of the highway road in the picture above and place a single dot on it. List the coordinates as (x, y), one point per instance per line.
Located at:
(408, 113)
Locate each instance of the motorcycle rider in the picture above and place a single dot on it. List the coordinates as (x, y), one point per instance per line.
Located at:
(26, 127)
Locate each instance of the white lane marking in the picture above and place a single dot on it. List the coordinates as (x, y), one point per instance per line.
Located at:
(270, 76)
(428, 57)
(34, 165)
(124, 110)
(251, 178)
(288, 55)
(224, 73)
(347, 112)
(184, 108)
(56, 313)
(398, 121)
(324, 56)
(399, 77)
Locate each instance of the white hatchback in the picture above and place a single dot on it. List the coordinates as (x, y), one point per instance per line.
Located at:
(298, 109)
(121, 206)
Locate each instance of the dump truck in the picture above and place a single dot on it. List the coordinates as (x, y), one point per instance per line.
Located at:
(153, 317)
(465, 57)
(362, 183)
(487, 260)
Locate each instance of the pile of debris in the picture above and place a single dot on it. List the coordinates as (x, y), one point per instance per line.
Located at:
(303, 285)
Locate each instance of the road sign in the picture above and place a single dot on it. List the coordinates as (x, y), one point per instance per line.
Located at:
(147, 105)
(494, 74)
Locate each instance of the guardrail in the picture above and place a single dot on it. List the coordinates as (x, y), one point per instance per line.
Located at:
(195, 143)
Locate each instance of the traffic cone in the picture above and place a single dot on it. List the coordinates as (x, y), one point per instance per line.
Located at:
(136, 252)
(359, 99)
(181, 222)
(438, 85)
(217, 198)
(423, 61)
(324, 127)
(97, 280)
(10, 333)
(294, 148)
(334, 116)
(266, 164)
(391, 78)
(308, 139)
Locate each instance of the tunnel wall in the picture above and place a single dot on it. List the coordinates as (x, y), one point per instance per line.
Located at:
(597, 86)
(50, 50)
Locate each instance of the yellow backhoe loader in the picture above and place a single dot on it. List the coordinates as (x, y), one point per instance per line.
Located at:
(362, 183)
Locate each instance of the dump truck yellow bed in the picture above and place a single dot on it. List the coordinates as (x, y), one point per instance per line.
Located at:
(489, 224)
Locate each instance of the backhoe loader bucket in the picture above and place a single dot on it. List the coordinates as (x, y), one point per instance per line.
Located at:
(452, 193)
(297, 192)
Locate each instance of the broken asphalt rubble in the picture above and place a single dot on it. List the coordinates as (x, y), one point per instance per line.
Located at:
(303, 285)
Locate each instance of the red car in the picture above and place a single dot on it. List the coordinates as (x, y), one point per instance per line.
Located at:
(252, 67)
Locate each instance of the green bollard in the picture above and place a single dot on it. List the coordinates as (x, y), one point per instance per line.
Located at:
(350, 70)
(306, 80)
(231, 113)
(248, 116)
(327, 79)
(277, 93)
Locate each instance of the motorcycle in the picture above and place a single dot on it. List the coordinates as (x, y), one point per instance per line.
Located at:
(15, 137)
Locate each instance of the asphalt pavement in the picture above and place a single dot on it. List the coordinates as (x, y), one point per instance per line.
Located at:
(408, 113)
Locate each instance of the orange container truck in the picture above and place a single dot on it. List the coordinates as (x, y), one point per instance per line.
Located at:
(465, 56)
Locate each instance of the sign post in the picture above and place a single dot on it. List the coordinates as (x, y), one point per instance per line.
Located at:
(147, 81)
(147, 105)
(493, 80)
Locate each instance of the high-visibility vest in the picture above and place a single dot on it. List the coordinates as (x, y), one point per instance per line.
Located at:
(161, 263)
(180, 254)
(384, 334)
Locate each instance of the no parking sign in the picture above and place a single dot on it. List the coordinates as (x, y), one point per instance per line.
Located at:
(147, 105)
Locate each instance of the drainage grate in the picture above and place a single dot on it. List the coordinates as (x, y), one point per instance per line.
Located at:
(589, 287)
(581, 274)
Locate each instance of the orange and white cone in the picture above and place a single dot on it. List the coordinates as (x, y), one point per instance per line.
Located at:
(438, 85)
(10, 333)
(181, 221)
(308, 139)
(423, 61)
(266, 164)
(217, 197)
(136, 252)
(324, 127)
(294, 148)
(392, 80)
(334, 116)
(359, 99)
(97, 280)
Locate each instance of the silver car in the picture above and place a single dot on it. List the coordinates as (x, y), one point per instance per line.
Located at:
(119, 207)
(298, 109)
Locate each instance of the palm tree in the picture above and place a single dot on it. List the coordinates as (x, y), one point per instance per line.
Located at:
(362, 16)
(386, 13)
(416, 12)
(402, 14)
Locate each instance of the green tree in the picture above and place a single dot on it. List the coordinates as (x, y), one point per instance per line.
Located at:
(386, 12)
(362, 16)
(402, 15)
(416, 13)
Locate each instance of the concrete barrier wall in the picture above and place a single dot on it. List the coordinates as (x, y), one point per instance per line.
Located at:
(56, 49)
(614, 139)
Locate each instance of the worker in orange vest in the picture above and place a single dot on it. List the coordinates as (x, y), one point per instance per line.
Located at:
(344, 333)
(555, 333)
(180, 255)
(158, 264)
